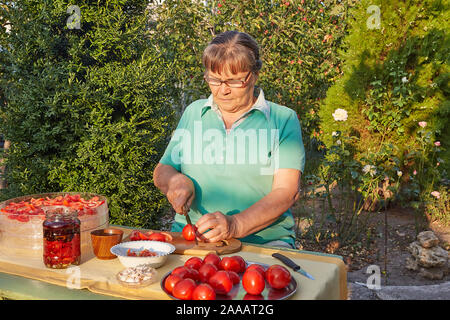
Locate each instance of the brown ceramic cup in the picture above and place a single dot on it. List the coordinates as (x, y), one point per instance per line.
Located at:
(103, 240)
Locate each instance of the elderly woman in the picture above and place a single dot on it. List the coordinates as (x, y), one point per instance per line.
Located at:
(234, 162)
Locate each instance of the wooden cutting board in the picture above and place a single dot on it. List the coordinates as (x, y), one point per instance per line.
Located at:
(183, 246)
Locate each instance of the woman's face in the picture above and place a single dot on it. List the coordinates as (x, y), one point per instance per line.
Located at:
(232, 99)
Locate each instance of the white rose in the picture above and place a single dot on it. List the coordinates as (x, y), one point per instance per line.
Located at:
(340, 115)
(366, 168)
(369, 169)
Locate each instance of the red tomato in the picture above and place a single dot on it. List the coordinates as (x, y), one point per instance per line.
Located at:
(146, 253)
(180, 271)
(204, 292)
(221, 282)
(193, 274)
(278, 276)
(212, 258)
(156, 236)
(253, 282)
(189, 232)
(159, 236)
(241, 261)
(134, 236)
(91, 212)
(142, 236)
(183, 289)
(194, 263)
(234, 277)
(168, 236)
(257, 267)
(23, 218)
(131, 253)
(229, 264)
(171, 281)
(206, 271)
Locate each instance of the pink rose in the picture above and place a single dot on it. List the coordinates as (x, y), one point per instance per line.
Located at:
(414, 172)
(437, 143)
(436, 194)
(422, 124)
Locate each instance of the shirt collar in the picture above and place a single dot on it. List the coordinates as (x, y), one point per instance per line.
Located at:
(260, 104)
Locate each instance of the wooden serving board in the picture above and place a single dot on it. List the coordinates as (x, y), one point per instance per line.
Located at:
(183, 246)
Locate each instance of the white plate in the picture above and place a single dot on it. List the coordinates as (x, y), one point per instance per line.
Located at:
(162, 249)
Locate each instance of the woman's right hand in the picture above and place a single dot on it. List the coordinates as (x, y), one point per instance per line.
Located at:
(177, 187)
(180, 193)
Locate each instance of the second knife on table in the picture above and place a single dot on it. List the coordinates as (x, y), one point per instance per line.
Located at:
(291, 264)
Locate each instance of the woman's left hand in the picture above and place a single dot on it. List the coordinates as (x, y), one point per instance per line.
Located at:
(221, 227)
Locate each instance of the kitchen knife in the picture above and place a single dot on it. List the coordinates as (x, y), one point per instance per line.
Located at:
(188, 220)
(291, 264)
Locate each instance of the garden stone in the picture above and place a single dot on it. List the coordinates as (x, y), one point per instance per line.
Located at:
(428, 258)
(433, 273)
(411, 264)
(428, 239)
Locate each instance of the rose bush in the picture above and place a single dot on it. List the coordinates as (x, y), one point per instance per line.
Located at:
(394, 90)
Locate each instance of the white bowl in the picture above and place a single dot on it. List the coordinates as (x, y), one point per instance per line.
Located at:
(162, 249)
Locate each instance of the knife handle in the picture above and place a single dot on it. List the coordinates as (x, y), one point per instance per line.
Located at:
(291, 264)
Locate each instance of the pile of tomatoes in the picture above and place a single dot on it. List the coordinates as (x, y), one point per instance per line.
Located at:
(137, 235)
(23, 210)
(189, 233)
(203, 279)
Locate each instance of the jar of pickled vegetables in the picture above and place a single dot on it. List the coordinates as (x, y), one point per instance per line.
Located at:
(61, 239)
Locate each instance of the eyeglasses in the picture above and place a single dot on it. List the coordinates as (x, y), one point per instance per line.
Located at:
(229, 83)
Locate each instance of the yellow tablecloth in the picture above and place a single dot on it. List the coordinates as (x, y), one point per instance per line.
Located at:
(98, 276)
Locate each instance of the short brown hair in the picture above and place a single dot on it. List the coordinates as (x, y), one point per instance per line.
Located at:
(233, 50)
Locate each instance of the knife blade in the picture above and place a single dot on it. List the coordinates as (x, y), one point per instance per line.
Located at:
(291, 264)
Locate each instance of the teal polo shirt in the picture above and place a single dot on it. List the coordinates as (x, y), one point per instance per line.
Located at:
(231, 170)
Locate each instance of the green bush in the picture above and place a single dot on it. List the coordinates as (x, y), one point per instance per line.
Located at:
(298, 40)
(394, 77)
(87, 109)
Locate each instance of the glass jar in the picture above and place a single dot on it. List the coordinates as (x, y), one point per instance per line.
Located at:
(61, 239)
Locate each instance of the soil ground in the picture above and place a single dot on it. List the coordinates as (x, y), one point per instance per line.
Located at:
(388, 254)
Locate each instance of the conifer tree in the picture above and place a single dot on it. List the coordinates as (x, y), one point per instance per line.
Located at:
(395, 75)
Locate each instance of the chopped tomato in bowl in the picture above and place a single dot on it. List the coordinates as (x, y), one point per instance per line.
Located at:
(134, 253)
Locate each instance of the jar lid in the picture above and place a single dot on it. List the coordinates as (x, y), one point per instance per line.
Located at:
(61, 213)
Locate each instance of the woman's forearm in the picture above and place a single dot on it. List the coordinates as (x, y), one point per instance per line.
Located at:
(177, 187)
(162, 175)
(264, 212)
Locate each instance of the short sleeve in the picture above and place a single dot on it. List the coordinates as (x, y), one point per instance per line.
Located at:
(291, 151)
(173, 154)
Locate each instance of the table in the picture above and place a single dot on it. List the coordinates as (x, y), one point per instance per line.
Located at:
(25, 278)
